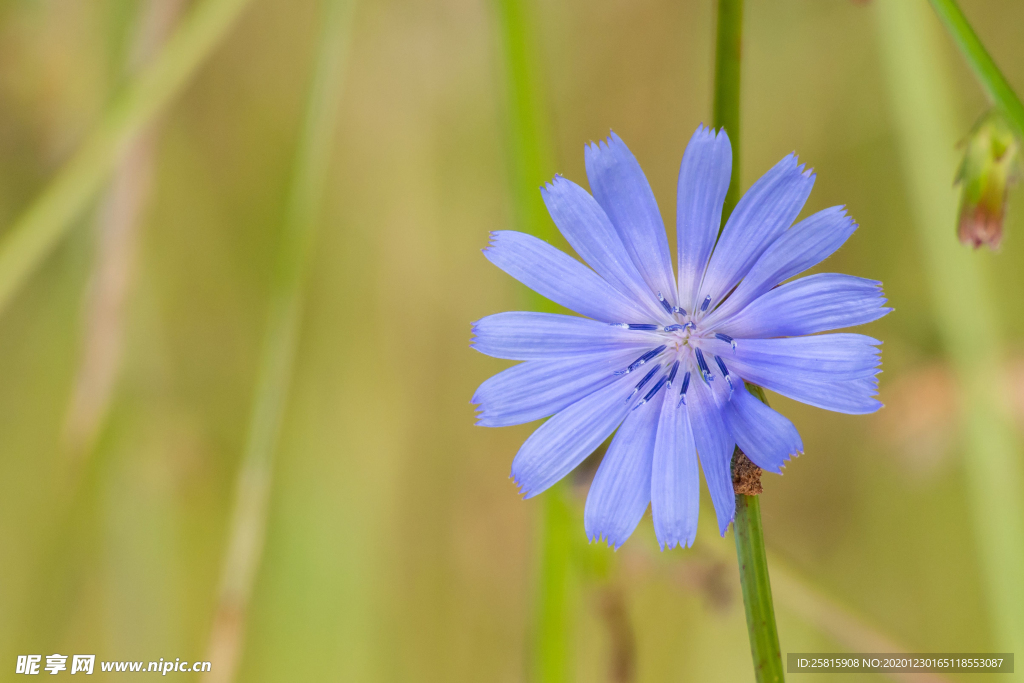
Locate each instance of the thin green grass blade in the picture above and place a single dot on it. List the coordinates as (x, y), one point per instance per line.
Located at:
(36, 232)
(962, 299)
(306, 192)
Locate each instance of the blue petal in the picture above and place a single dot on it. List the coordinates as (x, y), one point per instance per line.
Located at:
(768, 438)
(703, 183)
(831, 371)
(540, 388)
(806, 244)
(767, 209)
(622, 486)
(526, 335)
(817, 303)
(714, 446)
(586, 227)
(622, 190)
(559, 277)
(562, 443)
(675, 481)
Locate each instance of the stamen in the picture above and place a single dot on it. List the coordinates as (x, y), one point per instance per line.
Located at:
(692, 325)
(680, 310)
(650, 394)
(674, 328)
(672, 373)
(725, 371)
(705, 371)
(645, 380)
(706, 303)
(682, 392)
(642, 326)
(664, 304)
(641, 360)
(727, 339)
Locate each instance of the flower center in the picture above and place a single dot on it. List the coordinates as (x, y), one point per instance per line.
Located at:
(678, 351)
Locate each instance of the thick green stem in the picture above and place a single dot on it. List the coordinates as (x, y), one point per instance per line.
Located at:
(553, 626)
(757, 592)
(727, 88)
(530, 163)
(529, 149)
(977, 56)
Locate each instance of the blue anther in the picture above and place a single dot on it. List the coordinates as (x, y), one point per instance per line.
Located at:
(645, 380)
(674, 328)
(642, 326)
(664, 304)
(650, 394)
(692, 325)
(705, 371)
(679, 310)
(727, 339)
(646, 357)
(725, 372)
(686, 385)
(706, 303)
(672, 373)
(641, 360)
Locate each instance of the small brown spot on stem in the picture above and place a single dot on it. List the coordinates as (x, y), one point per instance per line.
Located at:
(746, 476)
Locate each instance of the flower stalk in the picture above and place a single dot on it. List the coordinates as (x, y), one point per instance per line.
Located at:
(728, 48)
(757, 591)
(750, 553)
(989, 75)
(529, 154)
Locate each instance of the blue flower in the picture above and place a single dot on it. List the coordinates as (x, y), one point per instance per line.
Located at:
(663, 357)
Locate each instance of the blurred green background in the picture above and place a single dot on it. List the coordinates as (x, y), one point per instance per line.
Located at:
(396, 546)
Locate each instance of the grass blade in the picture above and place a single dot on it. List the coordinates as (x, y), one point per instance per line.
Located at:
(41, 226)
(963, 304)
(308, 185)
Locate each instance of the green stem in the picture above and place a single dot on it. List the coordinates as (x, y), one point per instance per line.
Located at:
(529, 148)
(977, 56)
(757, 591)
(551, 633)
(50, 215)
(530, 162)
(728, 51)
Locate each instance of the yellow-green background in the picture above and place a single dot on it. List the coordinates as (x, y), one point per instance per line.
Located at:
(397, 548)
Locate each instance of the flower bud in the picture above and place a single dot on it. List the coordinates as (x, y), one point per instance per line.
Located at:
(989, 167)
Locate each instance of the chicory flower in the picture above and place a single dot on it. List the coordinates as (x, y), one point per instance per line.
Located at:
(662, 355)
